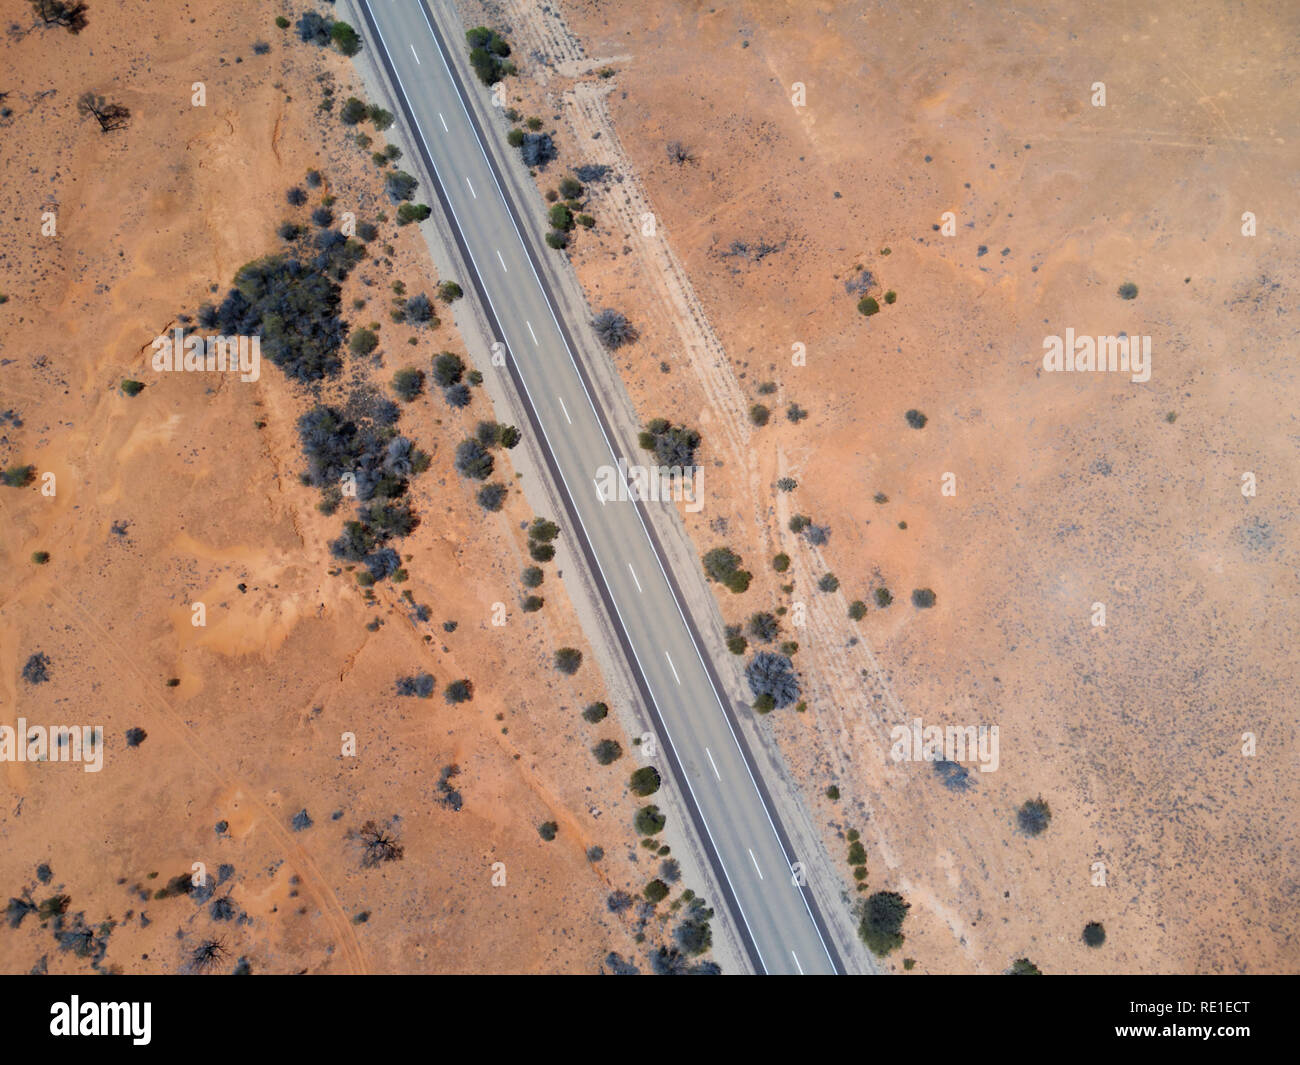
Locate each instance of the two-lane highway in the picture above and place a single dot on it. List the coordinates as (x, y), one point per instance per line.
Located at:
(774, 914)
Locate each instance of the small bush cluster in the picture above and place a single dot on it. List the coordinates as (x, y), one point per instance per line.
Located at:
(488, 55)
(673, 445)
(722, 565)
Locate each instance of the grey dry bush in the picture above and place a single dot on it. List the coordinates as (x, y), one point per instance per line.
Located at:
(613, 328)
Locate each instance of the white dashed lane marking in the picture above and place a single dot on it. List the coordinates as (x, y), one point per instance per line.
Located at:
(714, 764)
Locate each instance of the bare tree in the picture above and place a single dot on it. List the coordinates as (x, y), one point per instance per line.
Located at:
(109, 116)
(679, 153)
(208, 955)
(377, 845)
(59, 13)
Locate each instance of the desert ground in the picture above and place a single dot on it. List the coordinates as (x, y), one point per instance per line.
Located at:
(231, 835)
(822, 145)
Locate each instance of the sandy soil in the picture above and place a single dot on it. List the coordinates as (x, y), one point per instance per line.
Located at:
(190, 493)
(1071, 489)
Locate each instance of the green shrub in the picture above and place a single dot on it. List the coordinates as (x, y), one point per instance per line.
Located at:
(543, 530)
(568, 660)
(449, 292)
(515, 138)
(352, 111)
(857, 610)
(1034, 816)
(1128, 291)
(459, 691)
(488, 50)
(868, 306)
(722, 565)
(132, 388)
(882, 922)
(40, 557)
(557, 239)
(606, 752)
(548, 830)
(408, 384)
(781, 562)
(1024, 967)
(19, 476)
(560, 217)
(595, 713)
(448, 368)
(833, 793)
(828, 582)
(656, 890)
(345, 38)
(857, 853)
(363, 342)
(883, 597)
(412, 212)
(923, 598)
(649, 821)
(891, 296)
(645, 781)
(1094, 934)
(533, 576)
(759, 414)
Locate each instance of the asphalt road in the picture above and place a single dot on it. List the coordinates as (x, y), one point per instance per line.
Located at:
(775, 917)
